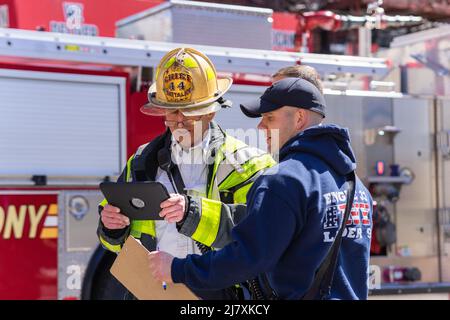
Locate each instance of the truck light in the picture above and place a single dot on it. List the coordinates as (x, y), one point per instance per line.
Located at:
(379, 168)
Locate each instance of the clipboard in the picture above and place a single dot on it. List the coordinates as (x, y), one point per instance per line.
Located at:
(136, 200)
(131, 269)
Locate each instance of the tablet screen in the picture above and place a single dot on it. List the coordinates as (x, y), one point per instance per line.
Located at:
(136, 200)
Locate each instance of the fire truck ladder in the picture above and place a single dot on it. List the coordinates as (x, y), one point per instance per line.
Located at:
(116, 51)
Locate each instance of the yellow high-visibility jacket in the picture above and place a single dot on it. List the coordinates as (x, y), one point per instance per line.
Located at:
(232, 168)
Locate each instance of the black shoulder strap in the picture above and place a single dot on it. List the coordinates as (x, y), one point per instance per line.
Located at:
(323, 280)
(166, 164)
(145, 162)
(178, 179)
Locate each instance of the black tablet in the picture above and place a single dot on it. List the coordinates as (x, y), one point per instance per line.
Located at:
(136, 200)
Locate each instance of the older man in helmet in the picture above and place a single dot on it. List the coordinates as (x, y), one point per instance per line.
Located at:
(207, 171)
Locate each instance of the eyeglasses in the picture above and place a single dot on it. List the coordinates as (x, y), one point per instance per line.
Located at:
(186, 123)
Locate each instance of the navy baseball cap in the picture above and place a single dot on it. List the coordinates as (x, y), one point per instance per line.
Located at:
(293, 92)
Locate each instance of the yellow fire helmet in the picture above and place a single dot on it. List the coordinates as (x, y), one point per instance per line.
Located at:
(186, 80)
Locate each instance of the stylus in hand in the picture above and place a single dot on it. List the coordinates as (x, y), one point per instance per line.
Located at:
(164, 284)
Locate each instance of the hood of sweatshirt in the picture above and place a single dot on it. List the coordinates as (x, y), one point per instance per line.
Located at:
(329, 142)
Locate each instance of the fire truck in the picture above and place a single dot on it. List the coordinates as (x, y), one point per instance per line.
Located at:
(70, 118)
(70, 107)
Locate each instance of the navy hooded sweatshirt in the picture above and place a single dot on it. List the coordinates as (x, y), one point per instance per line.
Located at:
(294, 212)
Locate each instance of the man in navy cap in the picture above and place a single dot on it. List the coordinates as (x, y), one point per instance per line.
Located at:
(295, 211)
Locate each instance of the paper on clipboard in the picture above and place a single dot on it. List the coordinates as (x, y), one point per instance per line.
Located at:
(131, 269)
